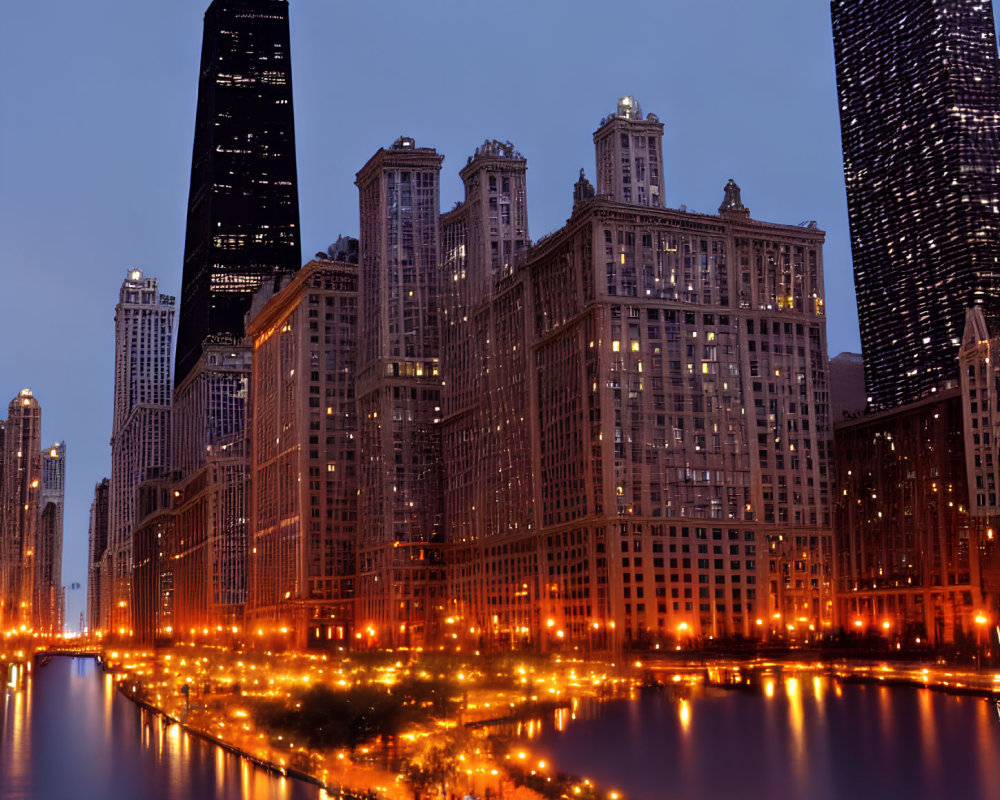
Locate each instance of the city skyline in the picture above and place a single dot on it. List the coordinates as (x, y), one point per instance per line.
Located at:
(787, 159)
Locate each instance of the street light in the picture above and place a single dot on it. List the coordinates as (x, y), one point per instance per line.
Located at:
(980, 621)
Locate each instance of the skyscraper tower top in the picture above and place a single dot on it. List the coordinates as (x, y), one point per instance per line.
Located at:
(919, 91)
(243, 209)
(629, 153)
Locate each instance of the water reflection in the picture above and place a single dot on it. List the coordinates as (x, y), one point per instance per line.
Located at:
(786, 738)
(68, 733)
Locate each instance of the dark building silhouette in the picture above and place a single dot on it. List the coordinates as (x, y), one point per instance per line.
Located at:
(919, 92)
(243, 210)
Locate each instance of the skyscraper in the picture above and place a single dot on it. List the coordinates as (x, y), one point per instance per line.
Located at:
(303, 423)
(97, 560)
(399, 394)
(140, 433)
(243, 209)
(19, 490)
(919, 92)
(49, 601)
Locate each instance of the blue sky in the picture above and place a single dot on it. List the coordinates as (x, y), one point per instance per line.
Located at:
(97, 103)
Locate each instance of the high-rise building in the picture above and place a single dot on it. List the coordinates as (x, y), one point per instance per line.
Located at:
(19, 489)
(303, 459)
(140, 434)
(243, 210)
(919, 91)
(629, 150)
(487, 482)
(651, 458)
(909, 549)
(49, 606)
(207, 551)
(98, 596)
(400, 575)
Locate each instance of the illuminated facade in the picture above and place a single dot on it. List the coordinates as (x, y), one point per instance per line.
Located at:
(303, 459)
(20, 479)
(140, 433)
(49, 603)
(493, 563)
(980, 384)
(98, 593)
(207, 547)
(629, 150)
(919, 92)
(243, 210)
(650, 452)
(909, 553)
(400, 573)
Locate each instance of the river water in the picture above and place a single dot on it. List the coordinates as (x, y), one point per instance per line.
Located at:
(71, 736)
(797, 737)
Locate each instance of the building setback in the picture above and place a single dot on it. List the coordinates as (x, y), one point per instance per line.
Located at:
(303, 459)
(140, 433)
(243, 209)
(919, 91)
(400, 572)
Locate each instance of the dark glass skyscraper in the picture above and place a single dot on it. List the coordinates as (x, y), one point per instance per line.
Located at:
(919, 91)
(243, 210)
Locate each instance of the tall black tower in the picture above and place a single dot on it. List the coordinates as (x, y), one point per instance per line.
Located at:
(919, 90)
(243, 209)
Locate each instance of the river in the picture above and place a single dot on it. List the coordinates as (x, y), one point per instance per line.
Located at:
(801, 737)
(70, 735)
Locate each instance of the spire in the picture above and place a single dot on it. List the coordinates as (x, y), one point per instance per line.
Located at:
(582, 189)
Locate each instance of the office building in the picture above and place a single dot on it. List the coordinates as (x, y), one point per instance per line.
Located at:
(49, 603)
(400, 574)
(303, 459)
(98, 592)
(653, 432)
(140, 433)
(20, 481)
(919, 92)
(208, 541)
(909, 552)
(243, 211)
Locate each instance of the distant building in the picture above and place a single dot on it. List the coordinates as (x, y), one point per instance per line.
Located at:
(98, 591)
(847, 386)
(243, 209)
(20, 489)
(303, 459)
(152, 595)
(49, 603)
(140, 433)
(919, 90)
(400, 573)
(629, 150)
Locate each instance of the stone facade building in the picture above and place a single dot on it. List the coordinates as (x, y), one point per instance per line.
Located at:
(400, 566)
(303, 459)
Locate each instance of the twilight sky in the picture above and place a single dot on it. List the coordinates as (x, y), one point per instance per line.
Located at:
(97, 103)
